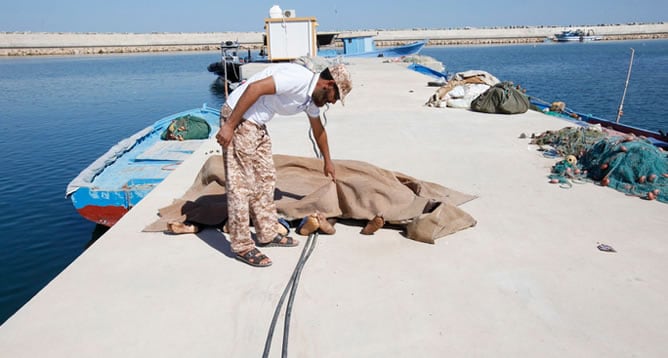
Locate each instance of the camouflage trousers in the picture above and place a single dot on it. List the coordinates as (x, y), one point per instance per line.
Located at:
(250, 179)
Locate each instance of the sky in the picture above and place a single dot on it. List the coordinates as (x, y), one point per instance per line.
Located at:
(146, 16)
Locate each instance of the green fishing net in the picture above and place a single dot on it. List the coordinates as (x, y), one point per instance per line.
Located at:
(569, 140)
(626, 163)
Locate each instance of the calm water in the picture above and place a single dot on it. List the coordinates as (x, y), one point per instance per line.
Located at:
(589, 77)
(61, 113)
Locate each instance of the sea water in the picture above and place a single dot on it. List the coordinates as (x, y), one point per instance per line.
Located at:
(589, 77)
(59, 114)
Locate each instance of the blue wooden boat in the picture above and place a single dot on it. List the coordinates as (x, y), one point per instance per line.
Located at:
(126, 173)
(426, 70)
(658, 138)
(441, 77)
(364, 46)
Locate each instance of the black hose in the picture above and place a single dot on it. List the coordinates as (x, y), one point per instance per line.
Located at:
(295, 283)
(292, 286)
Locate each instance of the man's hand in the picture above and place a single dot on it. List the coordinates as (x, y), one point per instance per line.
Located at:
(224, 136)
(329, 169)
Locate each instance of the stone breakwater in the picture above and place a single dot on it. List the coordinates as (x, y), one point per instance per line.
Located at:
(34, 44)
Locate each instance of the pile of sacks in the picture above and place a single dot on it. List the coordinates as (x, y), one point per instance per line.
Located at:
(462, 89)
(480, 92)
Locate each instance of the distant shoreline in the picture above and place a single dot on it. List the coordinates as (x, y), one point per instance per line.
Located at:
(43, 43)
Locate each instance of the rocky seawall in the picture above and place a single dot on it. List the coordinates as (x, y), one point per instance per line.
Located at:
(35, 44)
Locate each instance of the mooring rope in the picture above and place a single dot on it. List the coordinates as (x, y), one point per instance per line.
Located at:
(292, 287)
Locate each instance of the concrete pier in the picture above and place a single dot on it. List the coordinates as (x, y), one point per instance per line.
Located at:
(528, 280)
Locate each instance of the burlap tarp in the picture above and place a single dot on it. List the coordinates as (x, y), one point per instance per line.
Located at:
(361, 191)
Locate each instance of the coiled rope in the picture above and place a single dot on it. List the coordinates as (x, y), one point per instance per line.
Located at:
(292, 286)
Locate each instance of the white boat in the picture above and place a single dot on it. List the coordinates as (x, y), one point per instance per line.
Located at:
(576, 36)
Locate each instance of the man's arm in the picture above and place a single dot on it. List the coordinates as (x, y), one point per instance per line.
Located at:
(321, 139)
(253, 92)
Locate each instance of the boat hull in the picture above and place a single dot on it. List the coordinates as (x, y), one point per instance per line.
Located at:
(655, 138)
(577, 38)
(398, 51)
(103, 215)
(117, 181)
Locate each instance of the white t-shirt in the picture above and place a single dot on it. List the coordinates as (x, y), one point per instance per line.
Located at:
(294, 86)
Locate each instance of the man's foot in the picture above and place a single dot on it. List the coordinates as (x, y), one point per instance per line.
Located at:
(325, 226)
(177, 227)
(280, 240)
(253, 257)
(373, 225)
(308, 225)
(282, 229)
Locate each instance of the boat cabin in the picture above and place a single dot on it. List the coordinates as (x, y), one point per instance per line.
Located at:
(358, 44)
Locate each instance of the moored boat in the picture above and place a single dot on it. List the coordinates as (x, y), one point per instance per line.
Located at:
(228, 69)
(109, 187)
(576, 36)
(364, 46)
(657, 138)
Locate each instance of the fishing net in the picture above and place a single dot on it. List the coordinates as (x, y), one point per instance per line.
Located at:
(626, 163)
(187, 127)
(569, 140)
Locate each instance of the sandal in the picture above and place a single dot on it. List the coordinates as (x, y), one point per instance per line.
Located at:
(278, 241)
(253, 257)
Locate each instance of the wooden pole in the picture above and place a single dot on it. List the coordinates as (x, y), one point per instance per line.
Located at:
(620, 111)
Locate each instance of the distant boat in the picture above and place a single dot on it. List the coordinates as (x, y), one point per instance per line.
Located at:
(364, 46)
(126, 173)
(576, 36)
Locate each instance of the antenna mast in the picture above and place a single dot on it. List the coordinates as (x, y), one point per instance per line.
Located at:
(628, 77)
